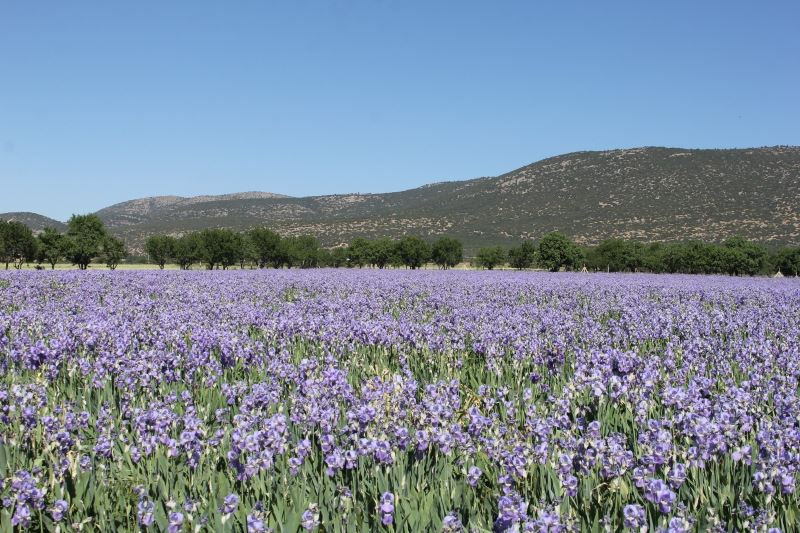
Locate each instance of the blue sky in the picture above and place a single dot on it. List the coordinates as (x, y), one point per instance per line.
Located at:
(102, 102)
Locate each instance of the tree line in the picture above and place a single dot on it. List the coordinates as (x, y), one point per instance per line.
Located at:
(86, 240)
(262, 247)
(736, 256)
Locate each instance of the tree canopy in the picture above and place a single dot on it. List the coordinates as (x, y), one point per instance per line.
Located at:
(85, 236)
(557, 251)
(522, 256)
(413, 252)
(447, 252)
(52, 246)
(17, 244)
(160, 248)
(490, 257)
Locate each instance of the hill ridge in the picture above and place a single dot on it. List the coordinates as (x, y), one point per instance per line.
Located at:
(644, 193)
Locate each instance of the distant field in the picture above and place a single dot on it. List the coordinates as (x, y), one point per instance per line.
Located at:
(148, 266)
(131, 266)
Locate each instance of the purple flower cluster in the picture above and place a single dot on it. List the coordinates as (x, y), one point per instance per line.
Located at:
(518, 400)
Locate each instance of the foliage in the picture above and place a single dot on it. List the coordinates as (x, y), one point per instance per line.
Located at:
(490, 257)
(85, 236)
(112, 251)
(743, 257)
(52, 246)
(219, 247)
(522, 256)
(787, 261)
(447, 252)
(303, 251)
(160, 248)
(17, 243)
(382, 252)
(187, 250)
(557, 251)
(359, 252)
(266, 245)
(412, 251)
(617, 255)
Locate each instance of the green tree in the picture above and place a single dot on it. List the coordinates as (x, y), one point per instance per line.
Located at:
(744, 257)
(52, 246)
(85, 236)
(338, 257)
(693, 257)
(787, 261)
(557, 251)
(522, 256)
(187, 250)
(324, 258)
(653, 259)
(382, 252)
(112, 251)
(617, 255)
(219, 247)
(447, 252)
(413, 252)
(490, 257)
(247, 250)
(160, 248)
(266, 245)
(359, 252)
(18, 243)
(303, 251)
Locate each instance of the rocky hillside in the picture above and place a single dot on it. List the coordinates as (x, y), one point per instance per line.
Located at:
(648, 194)
(36, 222)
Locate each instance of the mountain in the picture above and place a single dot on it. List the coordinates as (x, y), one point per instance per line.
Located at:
(36, 222)
(649, 194)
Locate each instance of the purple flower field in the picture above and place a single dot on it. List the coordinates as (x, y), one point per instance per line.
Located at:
(369, 400)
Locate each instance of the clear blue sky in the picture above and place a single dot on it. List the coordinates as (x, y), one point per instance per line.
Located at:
(102, 101)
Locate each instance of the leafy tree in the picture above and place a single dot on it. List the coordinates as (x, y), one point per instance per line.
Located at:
(447, 252)
(52, 246)
(490, 257)
(160, 248)
(744, 257)
(324, 258)
(338, 257)
(653, 257)
(266, 245)
(219, 247)
(382, 252)
(522, 256)
(85, 236)
(187, 250)
(112, 251)
(303, 251)
(557, 251)
(787, 261)
(18, 243)
(693, 257)
(247, 250)
(617, 255)
(283, 256)
(413, 252)
(359, 252)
